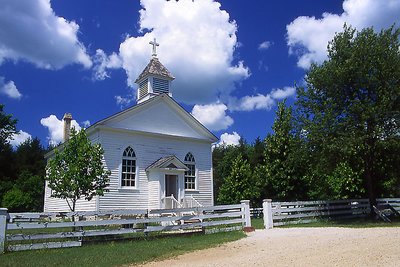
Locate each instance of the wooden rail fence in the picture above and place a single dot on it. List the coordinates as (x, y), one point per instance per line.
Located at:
(26, 231)
(284, 213)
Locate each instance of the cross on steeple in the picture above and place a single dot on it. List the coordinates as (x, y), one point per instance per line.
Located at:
(154, 44)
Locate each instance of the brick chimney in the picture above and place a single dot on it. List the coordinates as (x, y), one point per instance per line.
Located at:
(67, 126)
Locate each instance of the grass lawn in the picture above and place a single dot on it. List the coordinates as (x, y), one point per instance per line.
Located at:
(257, 223)
(118, 253)
(360, 223)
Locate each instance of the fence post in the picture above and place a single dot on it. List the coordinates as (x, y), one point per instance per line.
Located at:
(3, 223)
(246, 208)
(267, 211)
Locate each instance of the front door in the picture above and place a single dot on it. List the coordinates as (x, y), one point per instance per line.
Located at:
(171, 185)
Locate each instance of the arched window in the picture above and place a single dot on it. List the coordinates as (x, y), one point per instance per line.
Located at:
(128, 171)
(190, 175)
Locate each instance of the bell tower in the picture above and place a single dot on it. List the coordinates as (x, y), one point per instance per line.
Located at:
(155, 79)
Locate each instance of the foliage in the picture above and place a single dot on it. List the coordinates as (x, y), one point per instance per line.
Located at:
(283, 174)
(351, 107)
(345, 183)
(239, 184)
(21, 170)
(223, 157)
(76, 170)
(16, 200)
(26, 193)
(7, 127)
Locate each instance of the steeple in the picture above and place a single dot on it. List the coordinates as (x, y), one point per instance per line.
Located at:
(155, 79)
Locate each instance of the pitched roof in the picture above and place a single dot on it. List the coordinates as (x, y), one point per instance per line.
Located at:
(169, 162)
(168, 100)
(155, 68)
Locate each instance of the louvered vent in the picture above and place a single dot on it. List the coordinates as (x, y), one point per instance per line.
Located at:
(160, 86)
(143, 88)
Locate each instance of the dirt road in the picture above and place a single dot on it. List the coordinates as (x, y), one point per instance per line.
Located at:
(301, 247)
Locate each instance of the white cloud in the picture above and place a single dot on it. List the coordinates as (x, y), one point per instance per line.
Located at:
(102, 62)
(19, 138)
(249, 103)
(123, 101)
(213, 116)
(9, 89)
(86, 123)
(56, 128)
(265, 45)
(197, 43)
(257, 102)
(31, 31)
(227, 139)
(286, 92)
(308, 37)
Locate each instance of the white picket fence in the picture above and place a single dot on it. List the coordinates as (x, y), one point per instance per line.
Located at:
(26, 231)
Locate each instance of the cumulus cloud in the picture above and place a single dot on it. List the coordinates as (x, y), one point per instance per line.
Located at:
(197, 43)
(213, 116)
(265, 45)
(227, 139)
(9, 89)
(31, 31)
(19, 138)
(260, 101)
(285, 92)
(102, 62)
(56, 128)
(308, 37)
(249, 103)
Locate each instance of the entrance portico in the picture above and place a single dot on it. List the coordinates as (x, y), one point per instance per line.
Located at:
(169, 173)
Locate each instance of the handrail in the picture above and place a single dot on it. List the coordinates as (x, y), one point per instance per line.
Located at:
(171, 202)
(190, 202)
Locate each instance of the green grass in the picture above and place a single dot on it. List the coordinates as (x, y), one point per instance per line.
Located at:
(359, 223)
(118, 253)
(257, 223)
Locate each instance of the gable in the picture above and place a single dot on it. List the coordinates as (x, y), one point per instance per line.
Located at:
(159, 115)
(169, 162)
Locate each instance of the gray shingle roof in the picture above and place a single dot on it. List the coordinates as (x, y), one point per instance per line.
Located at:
(155, 68)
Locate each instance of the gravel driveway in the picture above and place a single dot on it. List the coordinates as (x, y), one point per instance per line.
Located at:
(332, 246)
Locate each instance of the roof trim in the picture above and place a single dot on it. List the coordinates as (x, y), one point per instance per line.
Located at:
(167, 98)
(165, 164)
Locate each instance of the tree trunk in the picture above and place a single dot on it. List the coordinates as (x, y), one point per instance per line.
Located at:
(369, 174)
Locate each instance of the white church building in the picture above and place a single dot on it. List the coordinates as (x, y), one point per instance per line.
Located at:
(159, 155)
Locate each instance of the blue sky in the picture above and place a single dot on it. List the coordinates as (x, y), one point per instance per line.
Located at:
(233, 60)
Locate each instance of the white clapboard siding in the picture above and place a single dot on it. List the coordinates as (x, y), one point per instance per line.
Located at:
(154, 129)
(148, 149)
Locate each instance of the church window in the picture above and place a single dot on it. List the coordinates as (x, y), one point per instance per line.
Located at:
(128, 171)
(190, 175)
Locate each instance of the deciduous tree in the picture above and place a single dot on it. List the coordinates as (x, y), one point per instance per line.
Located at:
(76, 170)
(351, 105)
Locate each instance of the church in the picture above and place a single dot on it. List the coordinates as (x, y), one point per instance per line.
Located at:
(159, 155)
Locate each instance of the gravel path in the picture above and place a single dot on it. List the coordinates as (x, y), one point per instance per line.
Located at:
(301, 247)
